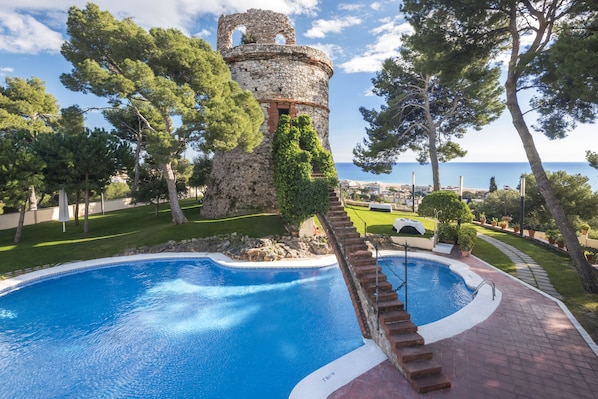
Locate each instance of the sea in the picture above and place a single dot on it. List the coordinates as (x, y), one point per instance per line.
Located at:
(476, 175)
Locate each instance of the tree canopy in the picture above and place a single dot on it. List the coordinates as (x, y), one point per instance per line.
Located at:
(26, 110)
(425, 109)
(523, 32)
(179, 88)
(446, 206)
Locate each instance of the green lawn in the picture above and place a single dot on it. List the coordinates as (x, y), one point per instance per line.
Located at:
(381, 222)
(114, 232)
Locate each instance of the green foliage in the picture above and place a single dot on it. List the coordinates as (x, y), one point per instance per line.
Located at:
(424, 108)
(152, 188)
(501, 203)
(25, 107)
(445, 205)
(467, 237)
(202, 167)
(493, 186)
(448, 232)
(115, 232)
(573, 192)
(296, 155)
(116, 190)
(178, 88)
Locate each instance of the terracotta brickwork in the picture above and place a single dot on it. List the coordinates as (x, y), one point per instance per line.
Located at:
(285, 79)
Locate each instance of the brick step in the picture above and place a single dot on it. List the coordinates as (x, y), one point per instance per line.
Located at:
(395, 304)
(413, 353)
(355, 246)
(396, 315)
(348, 233)
(383, 296)
(370, 278)
(399, 327)
(363, 261)
(364, 268)
(383, 284)
(353, 240)
(407, 339)
(360, 254)
(339, 224)
(420, 368)
(336, 212)
(339, 218)
(430, 383)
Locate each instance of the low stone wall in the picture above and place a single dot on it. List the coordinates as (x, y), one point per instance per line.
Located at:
(10, 220)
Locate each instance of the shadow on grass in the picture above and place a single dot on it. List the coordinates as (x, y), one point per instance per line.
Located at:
(115, 232)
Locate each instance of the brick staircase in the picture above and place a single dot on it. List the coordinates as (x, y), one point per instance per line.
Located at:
(407, 349)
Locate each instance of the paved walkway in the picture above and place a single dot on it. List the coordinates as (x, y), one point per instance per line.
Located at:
(528, 348)
(527, 269)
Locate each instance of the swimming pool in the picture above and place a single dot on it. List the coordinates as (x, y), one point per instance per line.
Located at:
(433, 291)
(107, 351)
(173, 328)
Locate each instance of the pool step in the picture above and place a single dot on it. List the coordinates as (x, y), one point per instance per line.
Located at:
(360, 269)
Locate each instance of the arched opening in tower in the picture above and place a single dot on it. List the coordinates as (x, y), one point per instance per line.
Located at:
(238, 35)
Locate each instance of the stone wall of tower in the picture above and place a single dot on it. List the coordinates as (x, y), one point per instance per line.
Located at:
(284, 78)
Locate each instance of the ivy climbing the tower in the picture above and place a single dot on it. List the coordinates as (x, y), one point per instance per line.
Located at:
(303, 170)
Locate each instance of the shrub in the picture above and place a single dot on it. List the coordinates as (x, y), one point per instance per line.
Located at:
(448, 232)
(446, 206)
(467, 237)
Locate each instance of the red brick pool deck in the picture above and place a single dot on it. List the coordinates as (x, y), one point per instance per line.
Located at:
(528, 348)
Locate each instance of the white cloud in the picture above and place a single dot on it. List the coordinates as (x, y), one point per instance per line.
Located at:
(321, 27)
(331, 50)
(375, 6)
(33, 26)
(203, 33)
(349, 7)
(24, 34)
(387, 45)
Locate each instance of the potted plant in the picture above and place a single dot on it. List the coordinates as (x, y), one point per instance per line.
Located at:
(552, 235)
(467, 238)
(532, 222)
(591, 254)
(494, 221)
(503, 224)
(584, 228)
(482, 218)
(560, 241)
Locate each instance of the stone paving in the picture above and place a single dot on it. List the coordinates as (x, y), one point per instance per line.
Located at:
(527, 269)
(528, 348)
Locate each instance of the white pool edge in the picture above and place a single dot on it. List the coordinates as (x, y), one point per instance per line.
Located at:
(324, 381)
(478, 310)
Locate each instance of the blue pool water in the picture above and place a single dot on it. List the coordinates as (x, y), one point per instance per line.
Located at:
(433, 291)
(173, 329)
(189, 328)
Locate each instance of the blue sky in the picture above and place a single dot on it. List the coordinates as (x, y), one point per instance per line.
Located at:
(357, 36)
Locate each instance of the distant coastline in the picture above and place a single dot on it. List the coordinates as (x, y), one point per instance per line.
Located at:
(476, 175)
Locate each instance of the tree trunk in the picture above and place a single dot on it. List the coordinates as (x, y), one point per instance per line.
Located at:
(583, 267)
(136, 172)
(434, 161)
(432, 139)
(19, 232)
(178, 217)
(86, 214)
(77, 200)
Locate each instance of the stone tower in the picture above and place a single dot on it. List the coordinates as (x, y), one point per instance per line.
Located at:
(285, 79)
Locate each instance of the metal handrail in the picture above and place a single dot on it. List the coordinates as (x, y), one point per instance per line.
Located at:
(485, 281)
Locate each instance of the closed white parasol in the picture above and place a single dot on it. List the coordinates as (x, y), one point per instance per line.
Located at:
(63, 208)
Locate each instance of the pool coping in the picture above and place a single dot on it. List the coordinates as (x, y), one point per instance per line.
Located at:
(325, 380)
